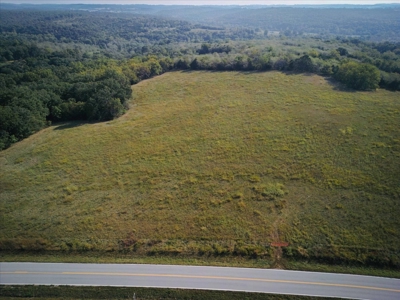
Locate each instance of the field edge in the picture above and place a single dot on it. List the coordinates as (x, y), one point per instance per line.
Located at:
(223, 261)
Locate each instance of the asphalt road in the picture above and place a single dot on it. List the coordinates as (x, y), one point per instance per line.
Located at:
(198, 277)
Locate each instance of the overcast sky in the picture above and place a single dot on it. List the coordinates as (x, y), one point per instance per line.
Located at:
(206, 2)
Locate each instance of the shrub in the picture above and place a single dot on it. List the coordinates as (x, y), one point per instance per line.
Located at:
(273, 190)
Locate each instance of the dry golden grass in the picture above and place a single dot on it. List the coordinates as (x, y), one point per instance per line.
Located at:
(220, 160)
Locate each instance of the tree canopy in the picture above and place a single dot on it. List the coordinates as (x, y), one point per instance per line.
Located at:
(359, 76)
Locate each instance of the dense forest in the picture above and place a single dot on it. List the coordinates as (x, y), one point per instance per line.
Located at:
(370, 22)
(373, 22)
(79, 65)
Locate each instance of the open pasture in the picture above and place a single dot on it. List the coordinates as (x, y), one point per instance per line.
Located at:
(214, 163)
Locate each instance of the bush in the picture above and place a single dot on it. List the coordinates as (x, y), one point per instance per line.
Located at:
(273, 190)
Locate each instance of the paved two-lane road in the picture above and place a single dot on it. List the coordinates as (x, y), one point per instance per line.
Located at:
(196, 277)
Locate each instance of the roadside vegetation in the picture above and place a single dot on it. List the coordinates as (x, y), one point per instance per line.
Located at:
(74, 292)
(215, 260)
(216, 164)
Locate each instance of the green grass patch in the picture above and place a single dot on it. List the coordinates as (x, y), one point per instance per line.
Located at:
(73, 292)
(216, 164)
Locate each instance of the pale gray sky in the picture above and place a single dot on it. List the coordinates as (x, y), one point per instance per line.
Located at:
(206, 2)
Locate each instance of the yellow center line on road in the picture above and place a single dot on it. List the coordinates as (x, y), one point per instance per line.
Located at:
(21, 272)
(207, 277)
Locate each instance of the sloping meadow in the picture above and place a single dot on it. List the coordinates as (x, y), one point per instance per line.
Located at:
(210, 163)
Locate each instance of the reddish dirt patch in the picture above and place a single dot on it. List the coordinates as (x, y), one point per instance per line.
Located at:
(279, 244)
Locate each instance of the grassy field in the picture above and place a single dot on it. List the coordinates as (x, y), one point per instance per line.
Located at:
(209, 163)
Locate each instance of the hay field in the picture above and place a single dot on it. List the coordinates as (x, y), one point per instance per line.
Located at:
(215, 163)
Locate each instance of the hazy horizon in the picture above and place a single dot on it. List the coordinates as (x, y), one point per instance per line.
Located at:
(208, 2)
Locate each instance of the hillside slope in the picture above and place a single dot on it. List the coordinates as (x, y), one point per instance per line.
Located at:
(215, 163)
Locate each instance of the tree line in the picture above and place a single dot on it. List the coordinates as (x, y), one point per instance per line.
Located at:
(44, 81)
(40, 86)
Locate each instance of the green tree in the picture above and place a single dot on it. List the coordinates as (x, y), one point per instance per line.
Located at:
(155, 68)
(326, 69)
(302, 64)
(194, 65)
(205, 48)
(359, 76)
(342, 51)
